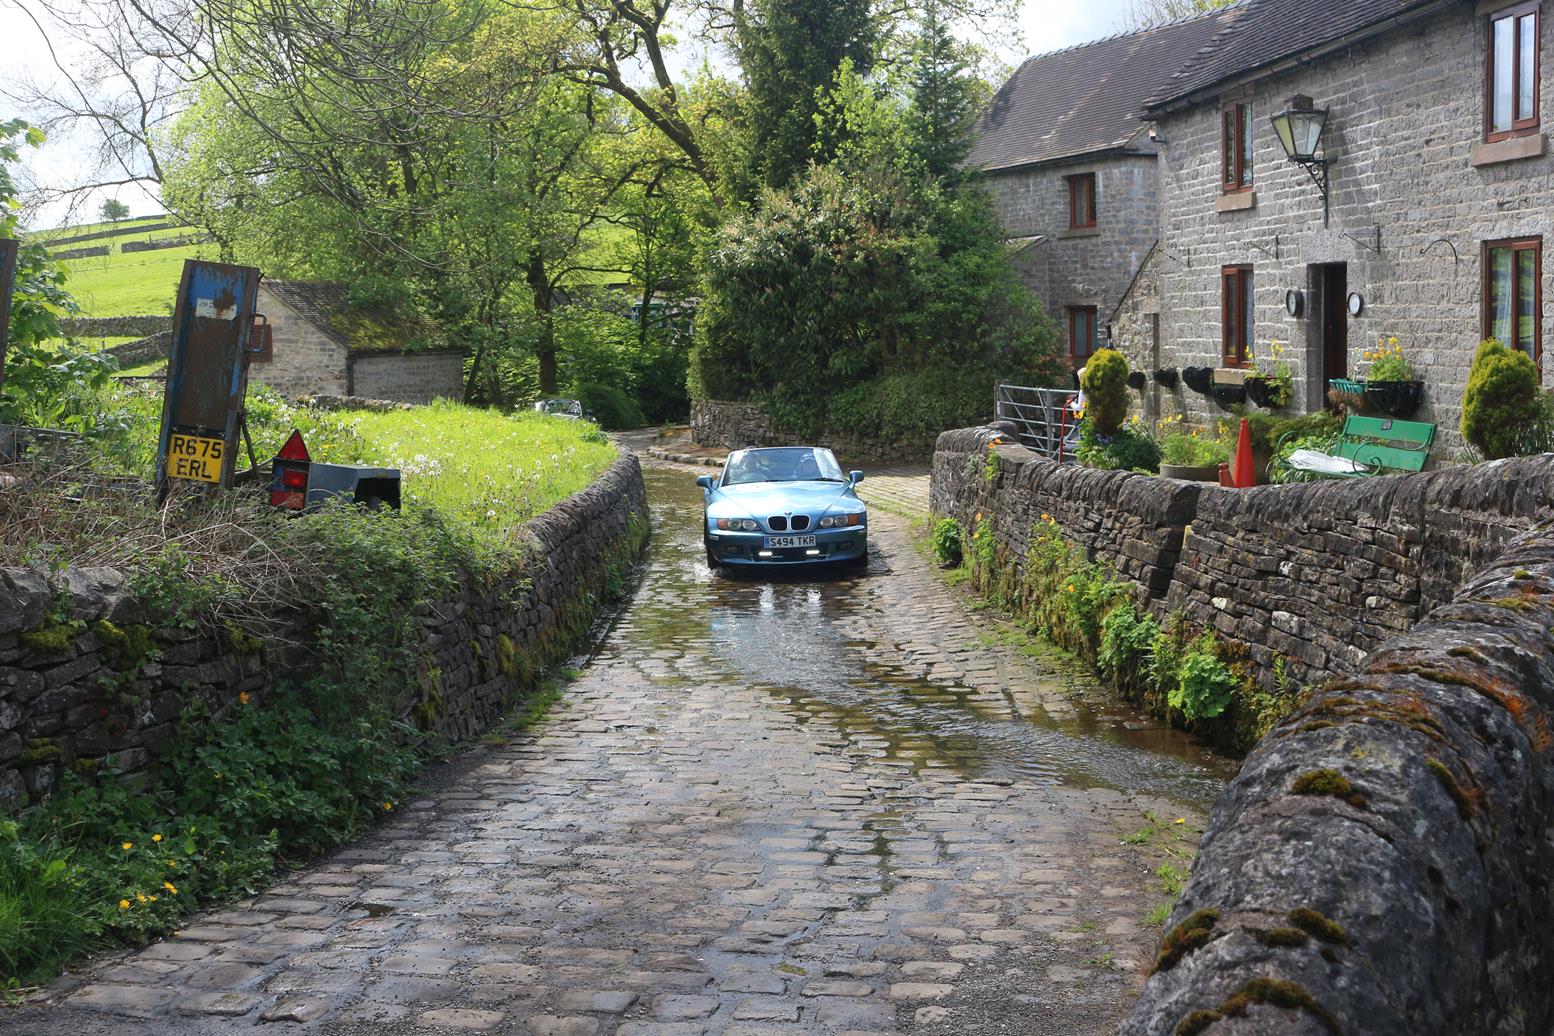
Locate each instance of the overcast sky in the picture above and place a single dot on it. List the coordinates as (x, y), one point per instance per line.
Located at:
(1044, 25)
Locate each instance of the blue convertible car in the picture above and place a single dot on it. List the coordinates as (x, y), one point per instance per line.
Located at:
(787, 505)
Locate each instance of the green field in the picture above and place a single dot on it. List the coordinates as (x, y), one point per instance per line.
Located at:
(122, 284)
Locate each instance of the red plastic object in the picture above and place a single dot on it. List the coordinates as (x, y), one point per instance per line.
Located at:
(296, 449)
(1224, 476)
(1246, 471)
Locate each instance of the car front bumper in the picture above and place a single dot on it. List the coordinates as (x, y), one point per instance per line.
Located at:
(749, 548)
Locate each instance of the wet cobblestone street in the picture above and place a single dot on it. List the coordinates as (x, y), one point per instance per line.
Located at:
(814, 804)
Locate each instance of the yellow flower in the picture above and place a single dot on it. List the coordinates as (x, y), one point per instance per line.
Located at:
(1181, 820)
(243, 697)
(151, 898)
(979, 516)
(1046, 517)
(127, 846)
(1070, 587)
(124, 904)
(388, 806)
(140, 897)
(156, 838)
(169, 887)
(1392, 341)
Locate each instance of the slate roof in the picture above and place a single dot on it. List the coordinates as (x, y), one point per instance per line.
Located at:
(320, 303)
(327, 306)
(1089, 98)
(1255, 34)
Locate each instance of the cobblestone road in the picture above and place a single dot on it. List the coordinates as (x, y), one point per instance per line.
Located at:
(837, 806)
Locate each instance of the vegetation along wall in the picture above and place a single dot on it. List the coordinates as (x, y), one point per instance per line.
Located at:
(1307, 578)
(90, 681)
(736, 425)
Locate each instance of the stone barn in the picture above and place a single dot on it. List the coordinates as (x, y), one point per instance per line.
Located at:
(314, 342)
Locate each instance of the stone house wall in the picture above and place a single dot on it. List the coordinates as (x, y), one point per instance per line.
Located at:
(1318, 574)
(1406, 120)
(71, 698)
(1090, 267)
(306, 361)
(408, 377)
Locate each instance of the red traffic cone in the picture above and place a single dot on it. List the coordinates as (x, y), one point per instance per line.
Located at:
(1246, 471)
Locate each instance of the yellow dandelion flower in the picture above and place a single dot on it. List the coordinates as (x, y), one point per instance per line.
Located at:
(1181, 820)
(127, 846)
(243, 697)
(1070, 587)
(156, 838)
(388, 806)
(124, 904)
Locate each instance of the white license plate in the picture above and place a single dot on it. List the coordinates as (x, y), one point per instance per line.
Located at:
(773, 542)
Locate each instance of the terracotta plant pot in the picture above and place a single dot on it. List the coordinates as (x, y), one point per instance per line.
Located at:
(1191, 472)
(1395, 398)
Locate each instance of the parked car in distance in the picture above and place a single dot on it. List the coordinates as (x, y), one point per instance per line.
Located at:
(784, 505)
(571, 409)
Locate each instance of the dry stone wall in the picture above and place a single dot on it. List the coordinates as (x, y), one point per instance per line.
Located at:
(1311, 578)
(90, 681)
(115, 327)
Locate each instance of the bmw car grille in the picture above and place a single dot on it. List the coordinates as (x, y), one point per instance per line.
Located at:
(777, 523)
(799, 522)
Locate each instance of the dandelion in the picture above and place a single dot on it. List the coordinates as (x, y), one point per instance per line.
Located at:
(156, 838)
(387, 806)
(243, 697)
(124, 904)
(1181, 820)
(127, 846)
(1070, 587)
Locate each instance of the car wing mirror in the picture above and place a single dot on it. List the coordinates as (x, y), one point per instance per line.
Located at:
(706, 481)
(856, 476)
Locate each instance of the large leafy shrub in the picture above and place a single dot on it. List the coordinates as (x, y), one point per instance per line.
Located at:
(1105, 384)
(1502, 404)
(611, 407)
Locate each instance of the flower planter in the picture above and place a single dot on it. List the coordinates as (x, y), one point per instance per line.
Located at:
(1199, 379)
(1261, 391)
(1166, 377)
(1348, 394)
(1137, 381)
(1191, 472)
(1228, 396)
(1395, 398)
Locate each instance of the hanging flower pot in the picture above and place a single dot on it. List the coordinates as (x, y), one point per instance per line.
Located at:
(1257, 390)
(1166, 377)
(1199, 379)
(1137, 380)
(1395, 398)
(1348, 394)
(1228, 396)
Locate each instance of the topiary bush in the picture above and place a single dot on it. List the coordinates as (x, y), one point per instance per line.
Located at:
(1502, 404)
(1106, 390)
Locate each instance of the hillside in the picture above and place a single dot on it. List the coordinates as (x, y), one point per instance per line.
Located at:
(128, 278)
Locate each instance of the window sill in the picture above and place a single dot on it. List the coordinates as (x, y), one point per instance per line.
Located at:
(1073, 232)
(1511, 149)
(1238, 201)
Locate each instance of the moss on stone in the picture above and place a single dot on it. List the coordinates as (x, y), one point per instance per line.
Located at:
(506, 659)
(1279, 936)
(39, 750)
(1317, 925)
(431, 707)
(1464, 651)
(1194, 931)
(128, 646)
(1197, 1021)
(1276, 992)
(241, 642)
(1328, 783)
(53, 638)
(1448, 781)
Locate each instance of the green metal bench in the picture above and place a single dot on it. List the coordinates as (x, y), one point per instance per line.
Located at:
(1368, 446)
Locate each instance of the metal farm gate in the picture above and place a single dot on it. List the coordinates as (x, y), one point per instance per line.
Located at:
(1043, 418)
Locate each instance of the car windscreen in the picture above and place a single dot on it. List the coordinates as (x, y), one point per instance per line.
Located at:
(782, 464)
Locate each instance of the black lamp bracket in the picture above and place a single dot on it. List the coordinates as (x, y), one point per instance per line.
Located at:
(1455, 259)
(1273, 254)
(1316, 168)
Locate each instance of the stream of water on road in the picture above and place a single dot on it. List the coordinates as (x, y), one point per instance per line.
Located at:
(795, 635)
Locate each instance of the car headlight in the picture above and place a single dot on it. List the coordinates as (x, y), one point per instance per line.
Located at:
(840, 521)
(737, 524)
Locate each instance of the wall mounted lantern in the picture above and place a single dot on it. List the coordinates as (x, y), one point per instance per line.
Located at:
(1299, 127)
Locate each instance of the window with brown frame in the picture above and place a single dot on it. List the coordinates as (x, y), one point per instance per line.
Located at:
(1513, 294)
(261, 344)
(1081, 334)
(1081, 201)
(1236, 144)
(1236, 313)
(1513, 53)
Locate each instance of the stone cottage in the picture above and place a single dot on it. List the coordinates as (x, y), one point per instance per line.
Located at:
(1075, 173)
(1436, 206)
(314, 342)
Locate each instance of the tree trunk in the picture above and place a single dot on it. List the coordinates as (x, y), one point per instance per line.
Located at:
(544, 303)
(1381, 864)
